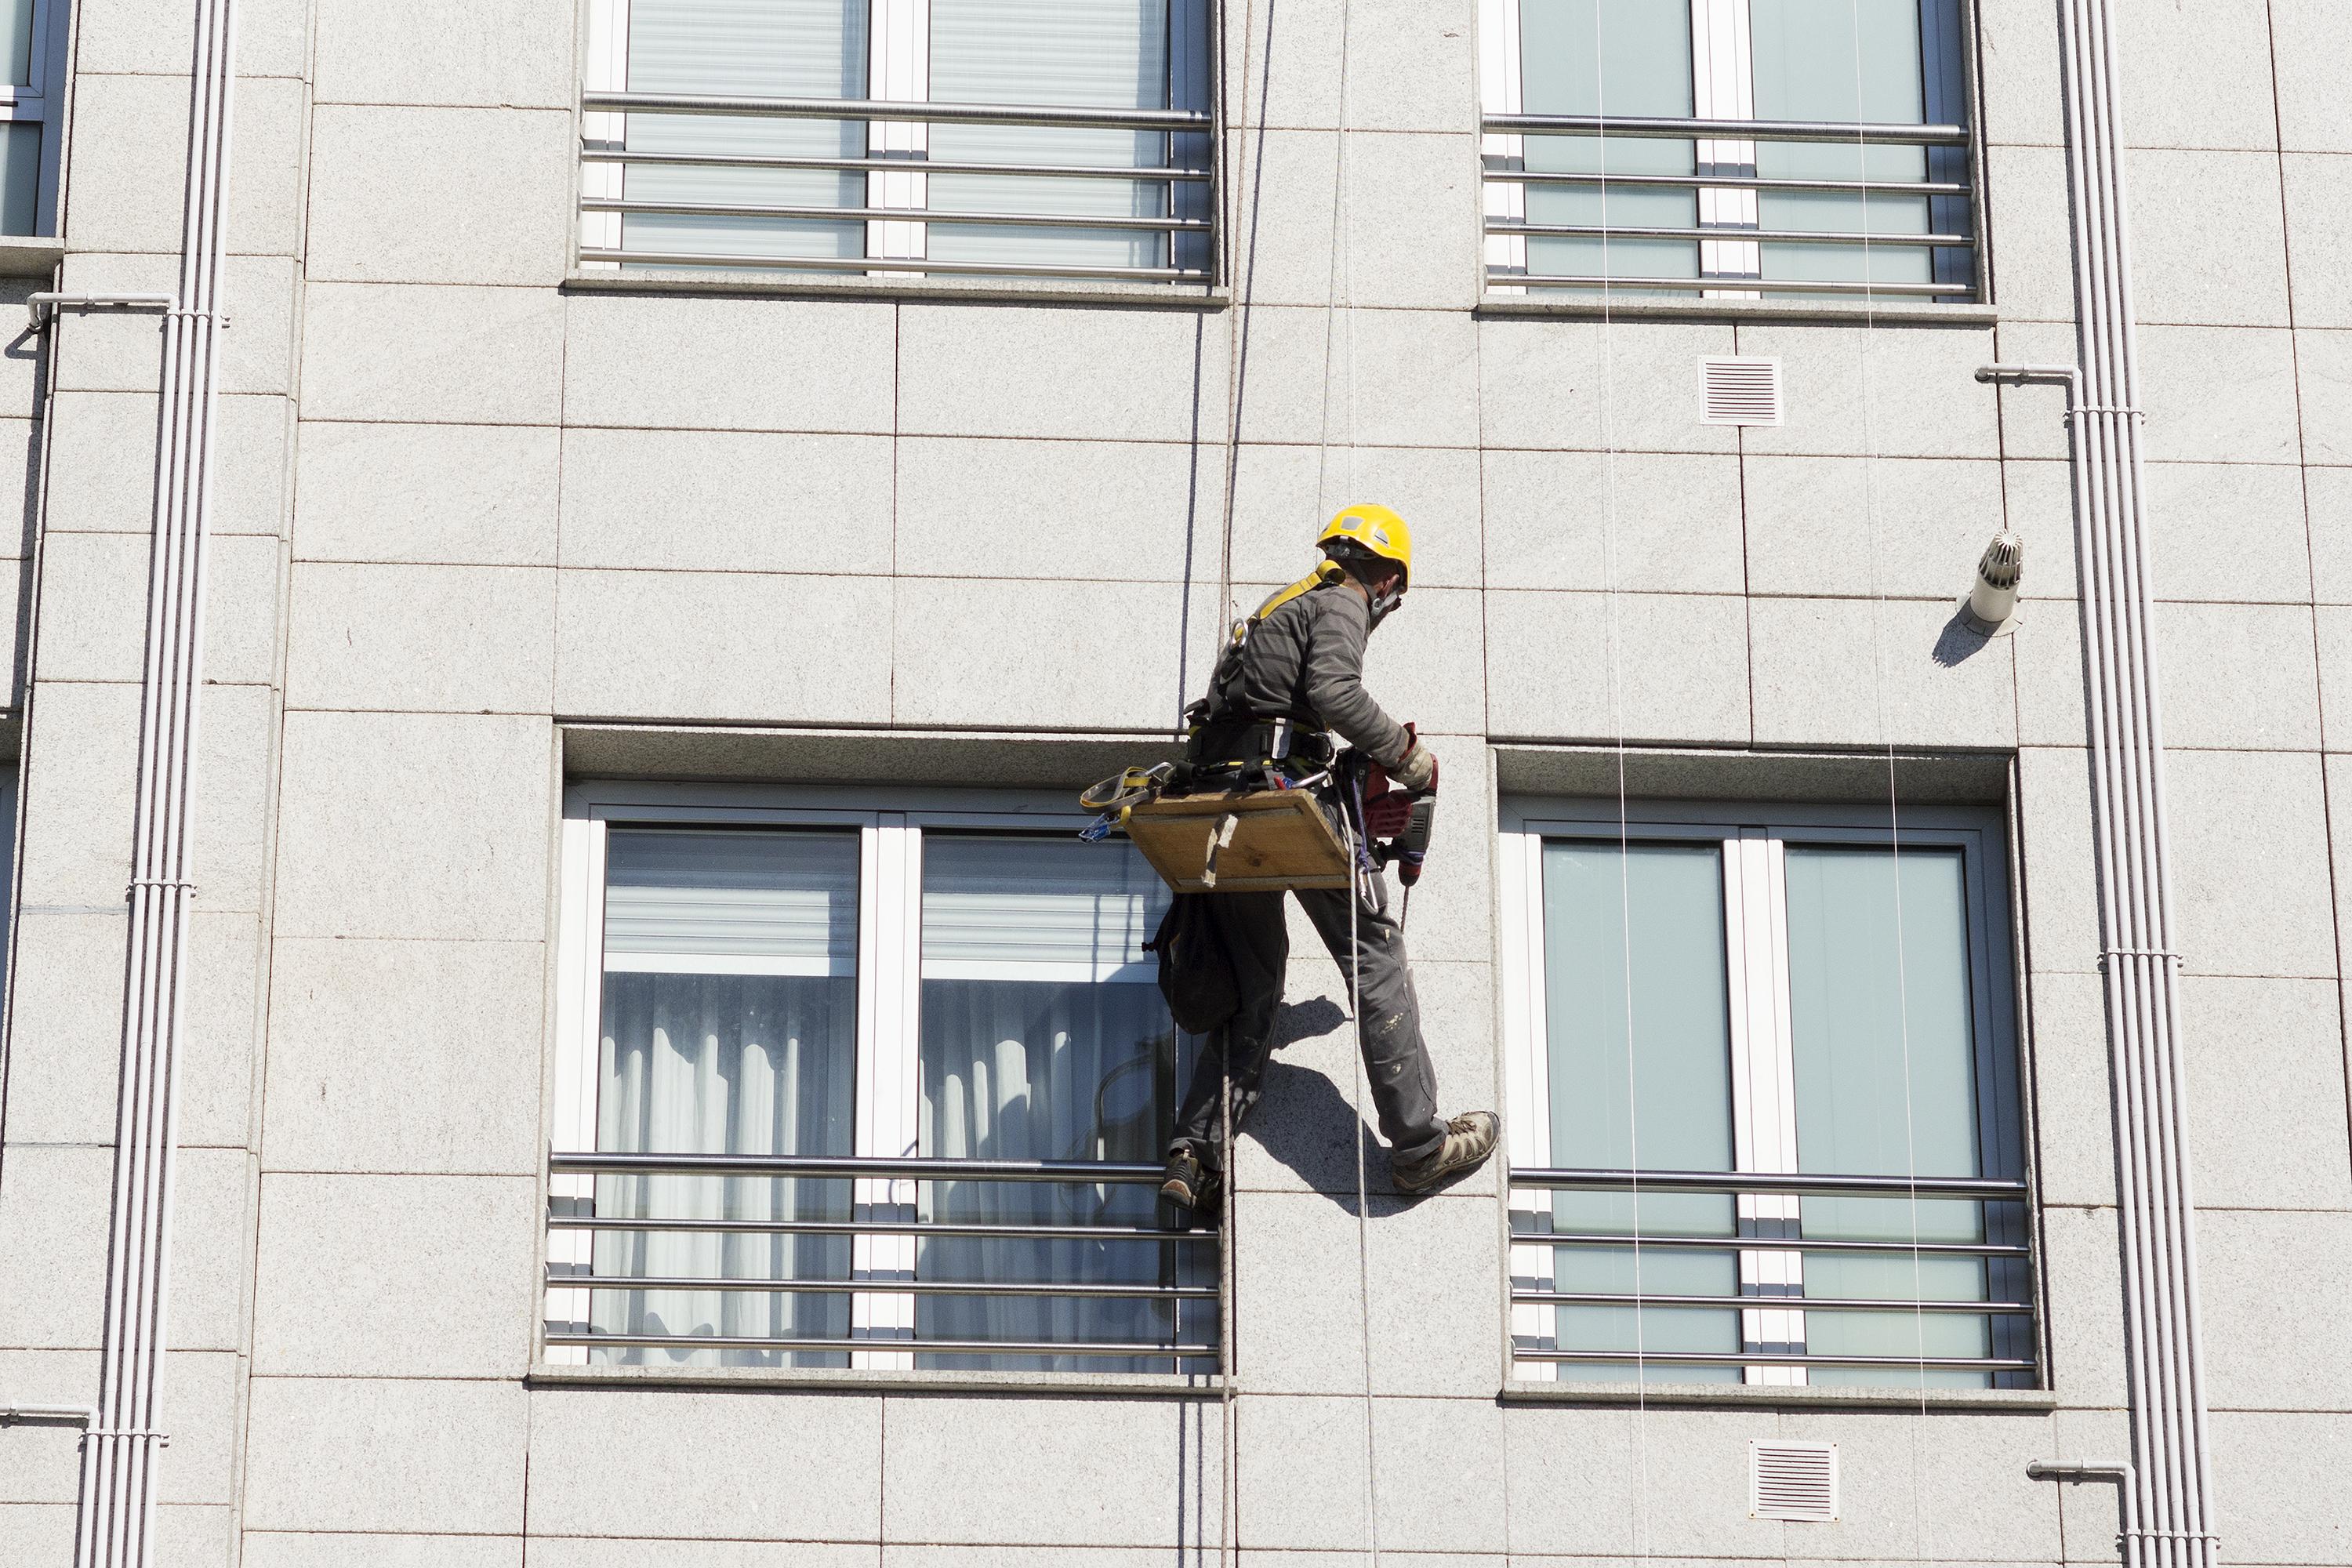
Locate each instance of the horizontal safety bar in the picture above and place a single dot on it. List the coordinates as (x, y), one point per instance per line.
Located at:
(1764, 1244)
(1776, 1358)
(912, 113)
(1755, 236)
(1765, 1303)
(1879, 135)
(879, 1227)
(860, 266)
(1082, 1171)
(886, 215)
(898, 165)
(918, 1347)
(861, 1287)
(1730, 181)
(1775, 285)
(1773, 1182)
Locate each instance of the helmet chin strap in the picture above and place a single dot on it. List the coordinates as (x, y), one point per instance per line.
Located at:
(1381, 603)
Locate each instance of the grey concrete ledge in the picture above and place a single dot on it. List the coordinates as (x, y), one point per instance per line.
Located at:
(1746, 1396)
(989, 290)
(1921, 777)
(1829, 312)
(832, 755)
(848, 1379)
(21, 257)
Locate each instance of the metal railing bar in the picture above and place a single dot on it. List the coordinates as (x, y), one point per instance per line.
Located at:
(1768, 1303)
(1767, 1243)
(1763, 1358)
(892, 1286)
(839, 1167)
(1732, 182)
(899, 165)
(1769, 1183)
(912, 113)
(918, 1347)
(880, 1228)
(1760, 236)
(887, 214)
(860, 266)
(1775, 285)
(1685, 130)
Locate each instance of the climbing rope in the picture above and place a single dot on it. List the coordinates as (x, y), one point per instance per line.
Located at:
(1236, 344)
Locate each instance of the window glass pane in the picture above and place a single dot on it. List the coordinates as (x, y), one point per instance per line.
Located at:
(20, 178)
(1879, 1003)
(760, 48)
(729, 1019)
(1858, 61)
(1638, 1031)
(16, 28)
(1041, 1040)
(1615, 56)
(1105, 54)
(1885, 1044)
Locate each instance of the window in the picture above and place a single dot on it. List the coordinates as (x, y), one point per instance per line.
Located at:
(900, 138)
(1729, 149)
(33, 35)
(863, 1089)
(1765, 1105)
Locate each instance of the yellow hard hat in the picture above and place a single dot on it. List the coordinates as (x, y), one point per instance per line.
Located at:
(1378, 529)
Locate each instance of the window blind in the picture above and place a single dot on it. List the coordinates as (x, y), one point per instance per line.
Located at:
(757, 48)
(729, 902)
(1104, 54)
(1031, 908)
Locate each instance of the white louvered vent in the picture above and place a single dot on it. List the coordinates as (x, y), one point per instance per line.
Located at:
(1793, 1481)
(1744, 391)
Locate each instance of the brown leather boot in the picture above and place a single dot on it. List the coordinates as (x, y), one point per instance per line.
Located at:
(1469, 1138)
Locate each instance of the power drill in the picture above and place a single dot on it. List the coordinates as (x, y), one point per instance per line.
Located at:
(1399, 823)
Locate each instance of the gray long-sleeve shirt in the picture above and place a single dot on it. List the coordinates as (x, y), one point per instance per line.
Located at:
(1305, 662)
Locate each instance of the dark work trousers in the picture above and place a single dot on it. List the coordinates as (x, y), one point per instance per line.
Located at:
(1404, 1086)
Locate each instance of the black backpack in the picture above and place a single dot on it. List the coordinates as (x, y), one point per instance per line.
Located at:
(1195, 975)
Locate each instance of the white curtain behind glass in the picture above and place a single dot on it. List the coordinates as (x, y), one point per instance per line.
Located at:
(1886, 1075)
(1638, 1027)
(1097, 54)
(728, 1027)
(1044, 1038)
(758, 48)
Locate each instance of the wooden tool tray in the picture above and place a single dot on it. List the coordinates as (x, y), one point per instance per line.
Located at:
(1239, 842)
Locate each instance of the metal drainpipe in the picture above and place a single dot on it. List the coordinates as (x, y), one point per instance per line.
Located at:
(116, 1515)
(2166, 1492)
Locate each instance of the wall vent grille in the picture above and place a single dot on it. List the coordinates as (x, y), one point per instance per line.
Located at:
(1743, 391)
(1793, 1481)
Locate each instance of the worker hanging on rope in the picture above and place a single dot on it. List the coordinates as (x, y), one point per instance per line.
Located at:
(1292, 674)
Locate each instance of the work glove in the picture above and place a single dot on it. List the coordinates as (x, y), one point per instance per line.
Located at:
(1386, 815)
(1416, 770)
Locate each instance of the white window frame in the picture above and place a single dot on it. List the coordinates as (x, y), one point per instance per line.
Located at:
(1754, 840)
(890, 824)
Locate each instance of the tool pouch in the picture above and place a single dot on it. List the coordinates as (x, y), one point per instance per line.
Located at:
(1195, 975)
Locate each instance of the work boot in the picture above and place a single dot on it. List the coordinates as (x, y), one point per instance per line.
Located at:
(1190, 1184)
(1469, 1138)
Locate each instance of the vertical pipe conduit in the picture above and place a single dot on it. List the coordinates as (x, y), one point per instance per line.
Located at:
(117, 1508)
(2169, 1522)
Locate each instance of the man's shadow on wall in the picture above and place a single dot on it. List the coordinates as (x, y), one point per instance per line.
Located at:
(1303, 1120)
